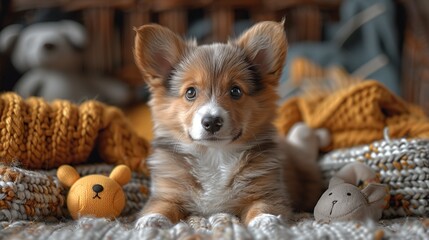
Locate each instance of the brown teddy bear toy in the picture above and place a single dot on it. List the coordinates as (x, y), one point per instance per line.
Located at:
(95, 195)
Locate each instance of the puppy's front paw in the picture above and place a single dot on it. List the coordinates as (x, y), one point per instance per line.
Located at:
(153, 220)
(265, 221)
(222, 218)
(268, 226)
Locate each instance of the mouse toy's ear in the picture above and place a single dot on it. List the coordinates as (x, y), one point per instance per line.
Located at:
(335, 181)
(375, 192)
(266, 47)
(121, 174)
(156, 50)
(67, 175)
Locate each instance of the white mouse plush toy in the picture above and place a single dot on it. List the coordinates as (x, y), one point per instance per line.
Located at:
(50, 56)
(354, 193)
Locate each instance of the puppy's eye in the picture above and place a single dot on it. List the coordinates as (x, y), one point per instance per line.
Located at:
(191, 94)
(330, 194)
(349, 194)
(236, 92)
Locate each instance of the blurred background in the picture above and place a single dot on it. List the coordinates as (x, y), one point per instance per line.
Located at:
(82, 49)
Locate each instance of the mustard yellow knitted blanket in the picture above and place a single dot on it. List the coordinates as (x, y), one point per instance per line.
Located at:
(35, 134)
(355, 115)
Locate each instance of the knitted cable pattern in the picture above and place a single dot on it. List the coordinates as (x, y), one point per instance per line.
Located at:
(27, 195)
(355, 115)
(38, 135)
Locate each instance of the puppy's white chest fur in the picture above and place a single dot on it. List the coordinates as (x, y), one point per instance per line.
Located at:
(214, 172)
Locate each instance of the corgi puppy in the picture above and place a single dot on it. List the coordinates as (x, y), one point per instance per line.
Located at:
(213, 106)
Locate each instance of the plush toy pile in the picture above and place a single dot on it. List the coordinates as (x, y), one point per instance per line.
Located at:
(49, 54)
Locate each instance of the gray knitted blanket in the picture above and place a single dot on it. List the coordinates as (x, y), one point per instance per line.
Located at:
(219, 226)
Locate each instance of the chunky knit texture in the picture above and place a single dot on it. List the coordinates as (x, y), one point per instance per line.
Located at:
(35, 134)
(355, 115)
(401, 164)
(28, 195)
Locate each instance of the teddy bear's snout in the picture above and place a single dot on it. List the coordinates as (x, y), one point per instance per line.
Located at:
(97, 188)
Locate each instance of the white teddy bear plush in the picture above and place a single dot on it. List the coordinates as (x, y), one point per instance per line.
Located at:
(48, 53)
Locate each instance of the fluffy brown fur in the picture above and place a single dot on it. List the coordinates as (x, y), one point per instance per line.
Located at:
(232, 165)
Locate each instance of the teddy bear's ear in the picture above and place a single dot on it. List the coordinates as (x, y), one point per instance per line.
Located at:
(74, 32)
(8, 36)
(67, 175)
(121, 174)
(375, 192)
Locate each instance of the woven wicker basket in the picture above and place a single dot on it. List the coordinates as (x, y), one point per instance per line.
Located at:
(111, 40)
(401, 163)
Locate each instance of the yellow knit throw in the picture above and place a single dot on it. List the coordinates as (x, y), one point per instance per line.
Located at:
(40, 135)
(356, 115)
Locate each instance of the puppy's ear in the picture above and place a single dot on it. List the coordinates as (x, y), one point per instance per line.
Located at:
(266, 46)
(156, 50)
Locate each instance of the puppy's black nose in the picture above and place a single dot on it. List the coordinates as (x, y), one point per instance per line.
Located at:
(97, 188)
(212, 124)
(333, 202)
